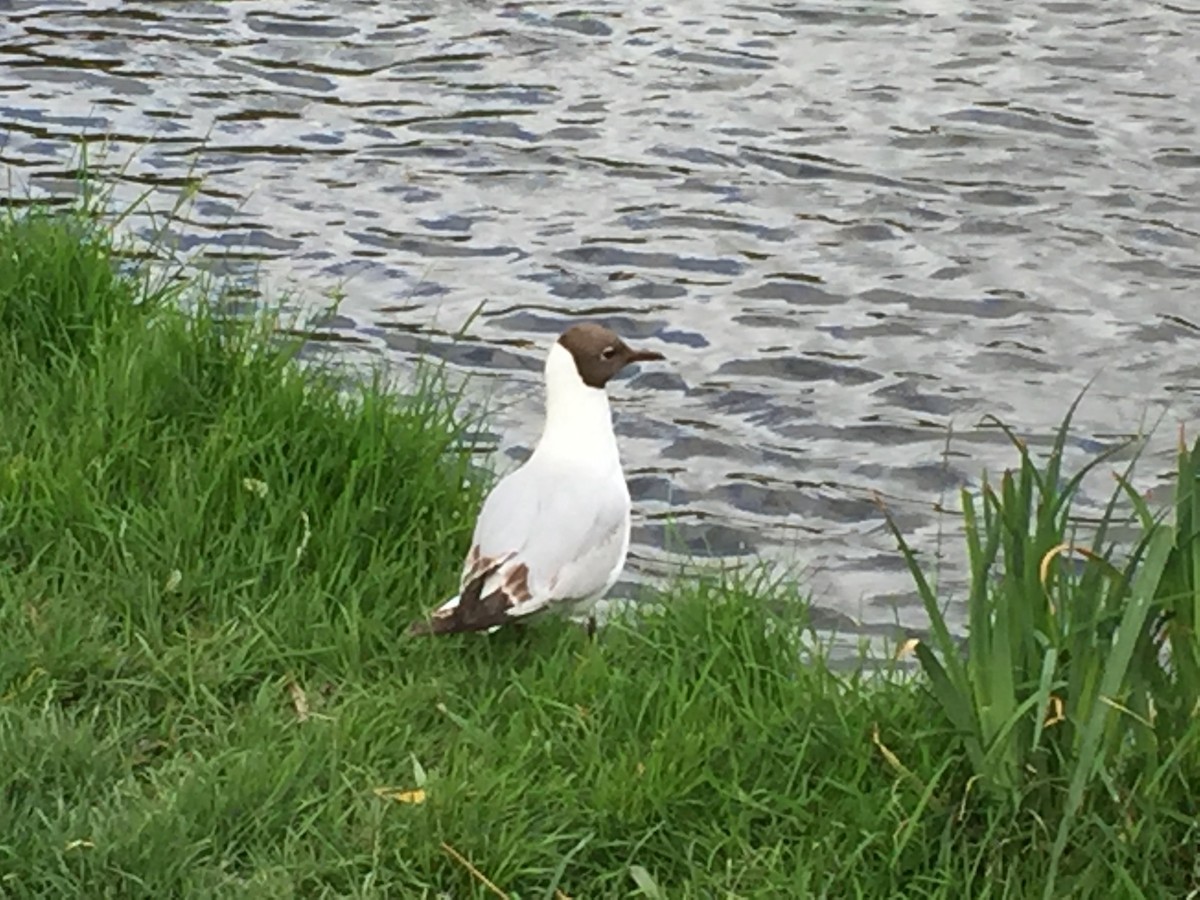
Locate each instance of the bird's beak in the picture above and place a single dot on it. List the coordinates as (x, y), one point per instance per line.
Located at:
(644, 356)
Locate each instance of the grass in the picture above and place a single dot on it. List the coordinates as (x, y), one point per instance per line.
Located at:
(1107, 652)
(208, 557)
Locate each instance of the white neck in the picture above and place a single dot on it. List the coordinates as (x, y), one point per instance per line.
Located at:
(578, 419)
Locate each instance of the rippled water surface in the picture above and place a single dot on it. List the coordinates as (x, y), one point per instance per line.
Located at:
(850, 226)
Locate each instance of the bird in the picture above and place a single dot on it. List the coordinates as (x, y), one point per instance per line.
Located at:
(552, 535)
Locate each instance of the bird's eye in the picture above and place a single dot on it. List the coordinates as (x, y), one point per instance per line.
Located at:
(608, 352)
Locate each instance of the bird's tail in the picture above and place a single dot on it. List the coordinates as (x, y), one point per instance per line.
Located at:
(440, 621)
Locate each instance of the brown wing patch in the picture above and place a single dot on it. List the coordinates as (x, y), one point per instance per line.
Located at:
(516, 584)
(475, 565)
(476, 611)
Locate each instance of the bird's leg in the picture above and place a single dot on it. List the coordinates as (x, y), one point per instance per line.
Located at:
(591, 628)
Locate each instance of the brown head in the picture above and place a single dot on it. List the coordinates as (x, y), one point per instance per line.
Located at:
(599, 353)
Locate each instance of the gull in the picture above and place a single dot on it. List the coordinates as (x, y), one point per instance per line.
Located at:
(553, 534)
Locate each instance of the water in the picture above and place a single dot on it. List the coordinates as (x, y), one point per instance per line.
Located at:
(851, 227)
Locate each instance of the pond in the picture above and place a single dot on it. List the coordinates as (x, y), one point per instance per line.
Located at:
(855, 229)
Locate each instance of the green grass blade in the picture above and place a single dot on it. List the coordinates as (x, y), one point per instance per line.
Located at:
(981, 557)
(1142, 593)
(953, 703)
(1042, 696)
(945, 643)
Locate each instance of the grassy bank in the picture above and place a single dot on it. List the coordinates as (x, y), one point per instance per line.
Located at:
(207, 560)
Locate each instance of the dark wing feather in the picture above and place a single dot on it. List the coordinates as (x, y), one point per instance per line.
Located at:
(476, 611)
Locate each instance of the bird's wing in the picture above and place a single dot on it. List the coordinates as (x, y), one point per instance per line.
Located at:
(567, 525)
(505, 521)
(544, 535)
(588, 573)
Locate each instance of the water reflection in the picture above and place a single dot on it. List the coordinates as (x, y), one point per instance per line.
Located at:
(852, 229)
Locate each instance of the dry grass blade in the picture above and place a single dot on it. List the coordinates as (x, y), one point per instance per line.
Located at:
(299, 701)
(1054, 712)
(475, 873)
(1065, 549)
(416, 796)
(891, 758)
